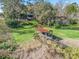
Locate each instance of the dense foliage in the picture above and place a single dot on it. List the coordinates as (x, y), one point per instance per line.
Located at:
(7, 43)
(42, 10)
(17, 16)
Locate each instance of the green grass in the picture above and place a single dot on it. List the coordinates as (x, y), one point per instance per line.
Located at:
(23, 34)
(74, 34)
(26, 33)
(71, 31)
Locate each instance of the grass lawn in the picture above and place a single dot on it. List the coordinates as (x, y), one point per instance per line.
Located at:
(67, 32)
(74, 34)
(23, 34)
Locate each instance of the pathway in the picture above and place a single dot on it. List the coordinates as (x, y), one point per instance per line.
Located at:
(70, 42)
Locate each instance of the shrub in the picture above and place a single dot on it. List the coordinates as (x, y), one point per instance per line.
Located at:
(5, 57)
(73, 21)
(57, 25)
(68, 52)
(13, 23)
(6, 41)
(32, 23)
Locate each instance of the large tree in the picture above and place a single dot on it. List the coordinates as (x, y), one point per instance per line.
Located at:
(71, 9)
(12, 8)
(60, 7)
(44, 11)
(12, 11)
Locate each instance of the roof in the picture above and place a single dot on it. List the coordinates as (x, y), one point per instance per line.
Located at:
(42, 30)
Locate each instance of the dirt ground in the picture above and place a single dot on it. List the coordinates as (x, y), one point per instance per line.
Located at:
(70, 42)
(41, 48)
(37, 50)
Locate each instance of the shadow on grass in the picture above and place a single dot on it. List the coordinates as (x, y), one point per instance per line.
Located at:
(24, 32)
(70, 28)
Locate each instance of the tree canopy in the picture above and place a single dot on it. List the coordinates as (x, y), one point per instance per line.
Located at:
(72, 9)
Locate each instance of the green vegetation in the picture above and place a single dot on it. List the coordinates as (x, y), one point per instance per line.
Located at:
(7, 43)
(23, 34)
(6, 40)
(67, 52)
(74, 34)
(21, 17)
(26, 33)
(71, 31)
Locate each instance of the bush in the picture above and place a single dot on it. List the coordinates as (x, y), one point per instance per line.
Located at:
(14, 23)
(6, 41)
(32, 23)
(57, 25)
(5, 57)
(67, 52)
(73, 21)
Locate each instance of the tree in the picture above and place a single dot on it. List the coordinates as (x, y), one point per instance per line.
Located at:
(44, 11)
(12, 11)
(71, 9)
(11, 8)
(60, 7)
